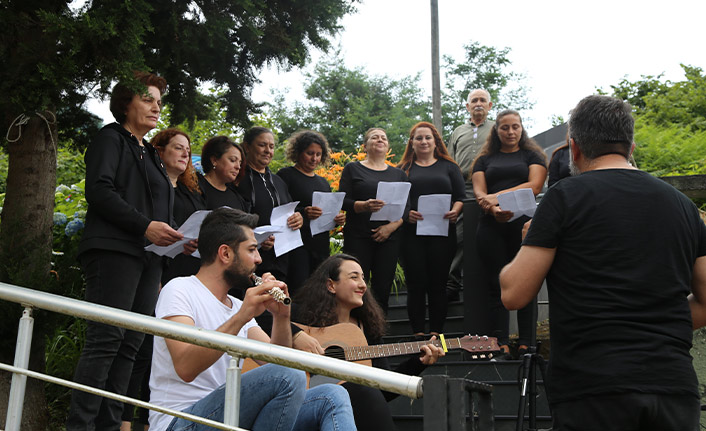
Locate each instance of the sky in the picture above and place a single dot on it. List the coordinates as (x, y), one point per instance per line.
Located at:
(566, 49)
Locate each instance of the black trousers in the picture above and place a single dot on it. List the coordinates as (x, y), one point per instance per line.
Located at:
(370, 409)
(378, 260)
(497, 244)
(302, 262)
(139, 386)
(121, 281)
(426, 261)
(628, 412)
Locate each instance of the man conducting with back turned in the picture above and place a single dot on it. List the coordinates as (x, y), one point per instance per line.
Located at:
(624, 255)
(191, 378)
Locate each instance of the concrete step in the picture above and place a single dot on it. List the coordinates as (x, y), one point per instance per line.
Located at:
(399, 311)
(416, 423)
(402, 327)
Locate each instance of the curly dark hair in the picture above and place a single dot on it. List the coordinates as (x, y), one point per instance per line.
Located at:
(440, 151)
(492, 144)
(314, 305)
(300, 141)
(215, 148)
(188, 177)
(122, 94)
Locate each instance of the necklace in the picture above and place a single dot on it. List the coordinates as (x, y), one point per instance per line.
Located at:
(264, 182)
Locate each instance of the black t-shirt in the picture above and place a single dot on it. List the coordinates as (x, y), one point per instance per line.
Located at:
(301, 188)
(626, 244)
(507, 170)
(360, 184)
(215, 198)
(559, 166)
(442, 177)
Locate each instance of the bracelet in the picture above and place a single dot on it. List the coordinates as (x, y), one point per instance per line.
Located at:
(296, 335)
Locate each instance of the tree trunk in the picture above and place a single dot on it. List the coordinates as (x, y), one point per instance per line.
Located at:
(25, 250)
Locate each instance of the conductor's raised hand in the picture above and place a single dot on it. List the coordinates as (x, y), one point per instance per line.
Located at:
(161, 234)
(430, 353)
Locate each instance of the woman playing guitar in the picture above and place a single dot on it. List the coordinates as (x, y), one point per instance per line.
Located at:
(337, 293)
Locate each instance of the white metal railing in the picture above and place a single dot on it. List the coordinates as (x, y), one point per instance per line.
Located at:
(410, 386)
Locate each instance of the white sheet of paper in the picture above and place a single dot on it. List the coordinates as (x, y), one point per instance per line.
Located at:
(190, 230)
(264, 232)
(520, 202)
(288, 239)
(330, 204)
(394, 194)
(433, 208)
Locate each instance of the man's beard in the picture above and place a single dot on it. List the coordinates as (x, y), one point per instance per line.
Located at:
(237, 276)
(573, 169)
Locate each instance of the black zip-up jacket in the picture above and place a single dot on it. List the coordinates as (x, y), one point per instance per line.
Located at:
(120, 205)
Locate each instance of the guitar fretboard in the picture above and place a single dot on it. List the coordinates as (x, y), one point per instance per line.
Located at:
(395, 349)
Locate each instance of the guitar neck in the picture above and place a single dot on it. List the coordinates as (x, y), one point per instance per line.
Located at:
(359, 353)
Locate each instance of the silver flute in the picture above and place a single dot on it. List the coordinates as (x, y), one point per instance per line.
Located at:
(276, 293)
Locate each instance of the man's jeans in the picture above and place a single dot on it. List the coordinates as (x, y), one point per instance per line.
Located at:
(274, 398)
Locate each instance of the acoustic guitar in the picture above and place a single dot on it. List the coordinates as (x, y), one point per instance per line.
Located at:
(346, 341)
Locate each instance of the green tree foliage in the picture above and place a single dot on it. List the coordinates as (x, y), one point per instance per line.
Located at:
(635, 92)
(680, 103)
(483, 67)
(343, 103)
(669, 150)
(670, 126)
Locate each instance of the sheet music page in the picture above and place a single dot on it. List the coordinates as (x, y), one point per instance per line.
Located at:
(394, 194)
(330, 204)
(288, 239)
(433, 208)
(190, 229)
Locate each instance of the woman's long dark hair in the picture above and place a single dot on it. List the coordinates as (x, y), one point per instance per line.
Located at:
(315, 305)
(492, 144)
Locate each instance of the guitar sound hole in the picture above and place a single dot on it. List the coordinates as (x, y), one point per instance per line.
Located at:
(335, 352)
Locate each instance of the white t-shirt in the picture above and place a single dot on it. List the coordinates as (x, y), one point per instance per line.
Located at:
(187, 296)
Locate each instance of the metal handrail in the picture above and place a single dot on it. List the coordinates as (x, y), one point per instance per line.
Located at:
(121, 398)
(402, 384)
(410, 386)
